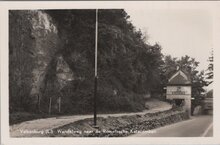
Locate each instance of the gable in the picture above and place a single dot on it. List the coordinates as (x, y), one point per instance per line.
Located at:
(179, 78)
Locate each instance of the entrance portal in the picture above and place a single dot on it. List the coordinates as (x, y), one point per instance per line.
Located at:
(179, 102)
(179, 90)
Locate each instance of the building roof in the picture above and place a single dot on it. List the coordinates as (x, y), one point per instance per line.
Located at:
(179, 78)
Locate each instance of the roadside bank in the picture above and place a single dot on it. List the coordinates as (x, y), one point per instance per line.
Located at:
(119, 126)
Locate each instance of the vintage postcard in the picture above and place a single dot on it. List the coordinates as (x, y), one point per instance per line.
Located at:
(109, 72)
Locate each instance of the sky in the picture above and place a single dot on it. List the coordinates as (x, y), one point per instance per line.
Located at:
(179, 32)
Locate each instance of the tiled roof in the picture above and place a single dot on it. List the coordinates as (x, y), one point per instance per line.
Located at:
(179, 78)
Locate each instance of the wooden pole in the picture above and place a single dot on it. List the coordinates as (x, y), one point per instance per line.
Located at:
(59, 104)
(38, 104)
(50, 105)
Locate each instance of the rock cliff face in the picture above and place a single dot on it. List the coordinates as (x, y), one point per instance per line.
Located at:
(33, 54)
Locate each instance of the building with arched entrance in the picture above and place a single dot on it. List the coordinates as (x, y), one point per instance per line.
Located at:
(179, 90)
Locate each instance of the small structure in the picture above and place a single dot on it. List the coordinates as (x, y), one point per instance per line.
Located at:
(179, 90)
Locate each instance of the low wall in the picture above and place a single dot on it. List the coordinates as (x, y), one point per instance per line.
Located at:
(120, 126)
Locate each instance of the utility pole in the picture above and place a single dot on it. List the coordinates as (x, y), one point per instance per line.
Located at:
(96, 76)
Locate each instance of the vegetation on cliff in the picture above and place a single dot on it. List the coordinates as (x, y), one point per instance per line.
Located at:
(51, 54)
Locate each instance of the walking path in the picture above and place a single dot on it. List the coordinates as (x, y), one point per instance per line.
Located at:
(54, 122)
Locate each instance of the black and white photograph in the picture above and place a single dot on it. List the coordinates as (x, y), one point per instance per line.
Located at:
(106, 72)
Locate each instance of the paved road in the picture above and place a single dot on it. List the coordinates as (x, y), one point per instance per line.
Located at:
(201, 126)
(54, 122)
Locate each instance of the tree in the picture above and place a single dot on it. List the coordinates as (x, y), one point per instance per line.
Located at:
(127, 66)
